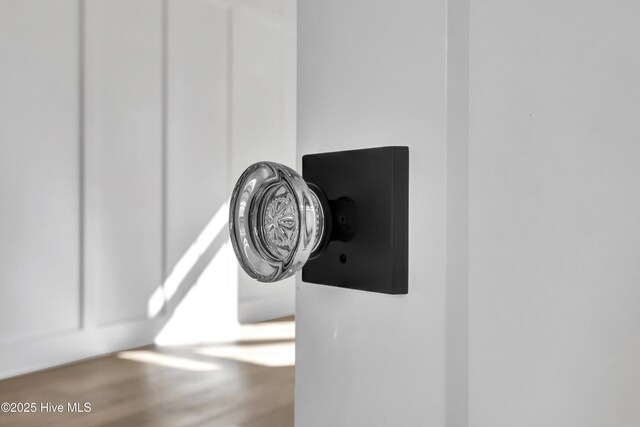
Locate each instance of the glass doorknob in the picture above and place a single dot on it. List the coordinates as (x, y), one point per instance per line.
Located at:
(276, 221)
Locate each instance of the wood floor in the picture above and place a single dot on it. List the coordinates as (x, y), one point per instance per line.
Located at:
(245, 383)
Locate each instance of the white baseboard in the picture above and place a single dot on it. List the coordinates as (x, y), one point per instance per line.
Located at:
(26, 356)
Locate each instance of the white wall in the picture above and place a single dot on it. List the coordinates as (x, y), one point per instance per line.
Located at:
(39, 79)
(117, 122)
(523, 299)
(123, 158)
(554, 155)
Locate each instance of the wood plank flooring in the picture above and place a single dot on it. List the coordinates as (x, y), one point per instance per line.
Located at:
(248, 382)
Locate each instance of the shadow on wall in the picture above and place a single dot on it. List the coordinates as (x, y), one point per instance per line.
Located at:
(197, 307)
(198, 300)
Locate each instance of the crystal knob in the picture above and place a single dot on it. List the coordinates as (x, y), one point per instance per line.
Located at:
(276, 221)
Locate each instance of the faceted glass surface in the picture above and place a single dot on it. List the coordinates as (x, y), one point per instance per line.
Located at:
(275, 221)
(280, 222)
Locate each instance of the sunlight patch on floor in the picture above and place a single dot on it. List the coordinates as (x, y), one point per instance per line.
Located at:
(278, 330)
(271, 355)
(268, 344)
(167, 360)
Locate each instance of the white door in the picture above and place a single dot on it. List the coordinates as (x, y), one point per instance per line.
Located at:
(524, 272)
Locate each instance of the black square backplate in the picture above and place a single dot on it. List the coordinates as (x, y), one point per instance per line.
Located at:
(376, 183)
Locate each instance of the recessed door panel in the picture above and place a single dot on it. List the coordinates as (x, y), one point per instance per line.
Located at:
(39, 178)
(197, 121)
(124, 156)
